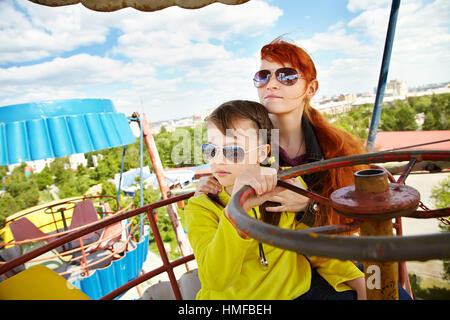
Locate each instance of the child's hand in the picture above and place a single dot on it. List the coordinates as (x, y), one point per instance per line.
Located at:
(206, 185)
(263, 180)
(359, 286)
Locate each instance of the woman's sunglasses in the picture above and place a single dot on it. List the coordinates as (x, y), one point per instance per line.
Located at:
(286, 76)
(234, 154)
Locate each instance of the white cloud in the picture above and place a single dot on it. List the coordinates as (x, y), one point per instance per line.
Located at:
(175, 59)
(30, 34)
(169, 49)
(337, 40)
(351, 53)
(358, 5)
(78, 70)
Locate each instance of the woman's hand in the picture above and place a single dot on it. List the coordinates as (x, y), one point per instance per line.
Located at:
(206, 185)
(290, 200)
(263, 180)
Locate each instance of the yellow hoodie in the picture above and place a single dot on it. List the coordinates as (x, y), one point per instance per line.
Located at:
(229, 266)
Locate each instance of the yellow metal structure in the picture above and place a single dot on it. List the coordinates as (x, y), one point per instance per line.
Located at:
(45, 219)
(381, 278)
(39, 283)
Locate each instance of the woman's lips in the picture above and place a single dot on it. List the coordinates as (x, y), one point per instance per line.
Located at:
(272, 96)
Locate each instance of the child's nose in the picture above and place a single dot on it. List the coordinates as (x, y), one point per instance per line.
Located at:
(218, 157)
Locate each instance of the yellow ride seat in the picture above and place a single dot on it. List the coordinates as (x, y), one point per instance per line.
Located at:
(39, 283)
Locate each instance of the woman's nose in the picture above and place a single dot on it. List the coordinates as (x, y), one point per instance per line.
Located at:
(272, 83)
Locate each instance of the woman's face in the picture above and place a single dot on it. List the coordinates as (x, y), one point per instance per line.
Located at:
(243, 135)
(279, 98)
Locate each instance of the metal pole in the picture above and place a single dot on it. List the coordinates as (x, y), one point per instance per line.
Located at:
(141, 163)
(181, 237)
(383, 75)
(381, 277)
(120, 178)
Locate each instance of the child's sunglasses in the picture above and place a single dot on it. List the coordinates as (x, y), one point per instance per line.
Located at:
(286, 76)
(234, 154)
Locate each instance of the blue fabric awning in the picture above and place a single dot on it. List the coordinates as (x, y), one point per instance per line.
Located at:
(59, 128)
(102, 281)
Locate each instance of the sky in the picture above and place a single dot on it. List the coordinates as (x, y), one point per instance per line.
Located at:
(175, 62)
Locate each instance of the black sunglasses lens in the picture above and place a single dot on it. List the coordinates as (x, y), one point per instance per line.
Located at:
(234, 153)
(261, 78)
(208, 151)
(287, 76)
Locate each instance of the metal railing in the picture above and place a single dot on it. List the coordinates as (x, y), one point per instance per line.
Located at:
(167, 266)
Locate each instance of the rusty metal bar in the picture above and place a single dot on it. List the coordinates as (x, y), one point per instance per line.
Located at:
(163, 254)
(407, 171)
(146, 134)
(127, 286)
(83, 231)
(310, 242)
(378, 157)
(339, 228)
(436, 213)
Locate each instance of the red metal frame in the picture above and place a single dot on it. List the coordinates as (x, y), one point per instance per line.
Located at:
(167, 266)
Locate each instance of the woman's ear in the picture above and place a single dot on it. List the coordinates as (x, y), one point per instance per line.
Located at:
(312, 88)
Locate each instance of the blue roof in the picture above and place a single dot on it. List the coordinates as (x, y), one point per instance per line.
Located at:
(58, 128)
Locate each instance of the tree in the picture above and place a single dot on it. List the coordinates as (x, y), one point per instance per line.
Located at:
(23, 190)
(419, 104)
(8, 206)
(356, 121)
(398, 117)
(437, 116)
(441, 196)
(44, 178)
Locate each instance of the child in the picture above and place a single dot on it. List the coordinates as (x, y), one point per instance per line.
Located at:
(231, 265)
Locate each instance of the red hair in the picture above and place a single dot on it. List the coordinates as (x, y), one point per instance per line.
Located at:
(284, 52)
(333, 141)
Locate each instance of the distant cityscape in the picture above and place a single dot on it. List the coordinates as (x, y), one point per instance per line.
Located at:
(395, 90)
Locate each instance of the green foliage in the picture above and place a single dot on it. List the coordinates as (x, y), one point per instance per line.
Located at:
(433, 293)
(398, 115)
(441, 196)
(437, 116)
(20, 192)
(441, 193)
(420, 104)
(356, 121)
(44, 178)
(109, 189)
(182, 147)
(8, 206)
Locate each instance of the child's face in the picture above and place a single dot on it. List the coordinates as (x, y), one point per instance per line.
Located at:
(244, 135)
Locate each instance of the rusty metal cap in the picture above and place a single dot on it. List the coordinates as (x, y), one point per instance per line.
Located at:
(373, 197)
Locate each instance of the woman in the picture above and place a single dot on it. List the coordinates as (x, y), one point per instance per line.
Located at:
(286, 83)
(232, 265)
